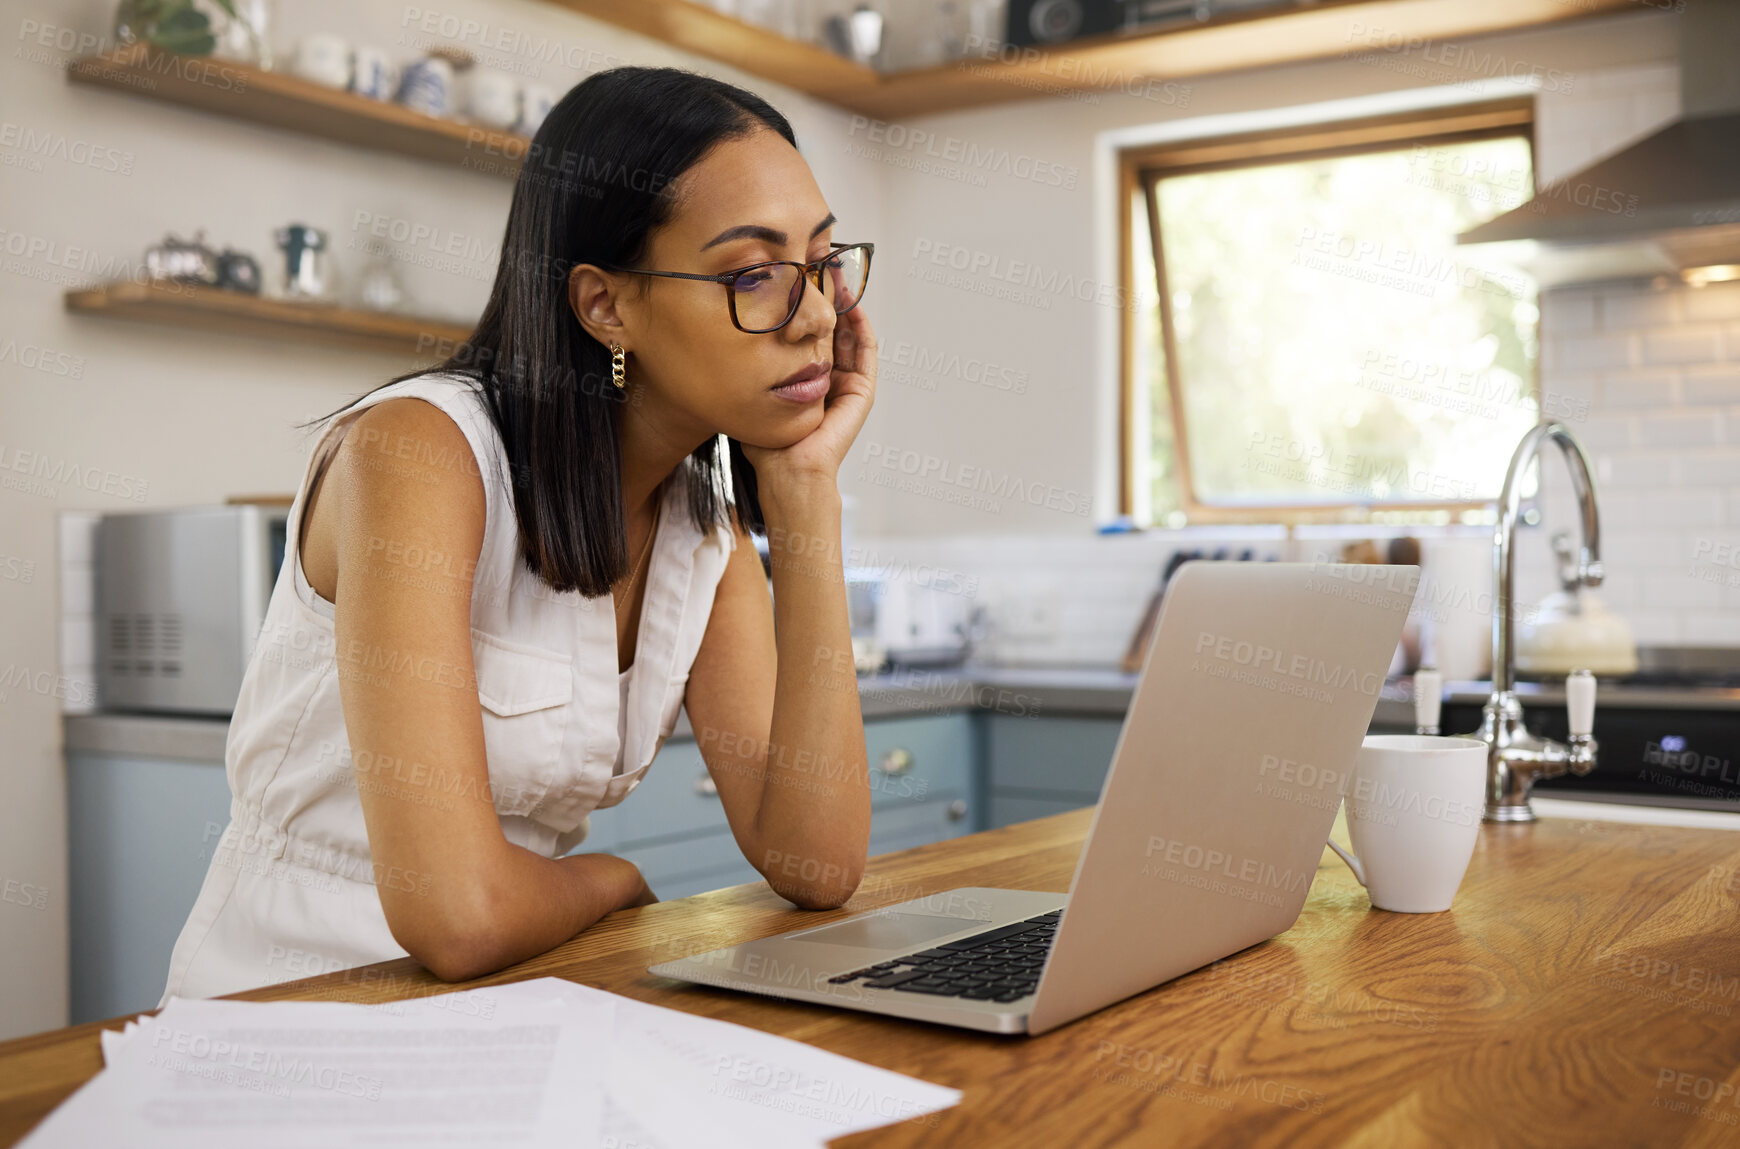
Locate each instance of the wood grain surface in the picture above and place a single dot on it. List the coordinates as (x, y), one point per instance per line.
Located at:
(1583, 991)
(237, 313)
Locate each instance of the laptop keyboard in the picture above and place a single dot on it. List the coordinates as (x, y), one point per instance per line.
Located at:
(998, 965)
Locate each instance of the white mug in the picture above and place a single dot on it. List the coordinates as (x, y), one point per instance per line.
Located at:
(1413, 812)
(426, 86)
(373, 73)
(491, 98)
(324, 59)
(535, 104)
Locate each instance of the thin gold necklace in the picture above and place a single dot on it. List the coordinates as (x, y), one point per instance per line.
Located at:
(651, 534)
(628, 592)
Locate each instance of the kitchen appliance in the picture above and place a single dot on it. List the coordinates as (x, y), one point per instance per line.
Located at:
(863, 592)
(914, 621)
(1668, 204)
(1046, 22)
(1573, 628)
(1209, 828)
(181, 597)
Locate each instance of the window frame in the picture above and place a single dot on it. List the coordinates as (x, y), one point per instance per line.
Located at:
(1141, 168)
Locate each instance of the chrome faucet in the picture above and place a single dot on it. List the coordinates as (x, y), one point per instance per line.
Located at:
(1515, 758)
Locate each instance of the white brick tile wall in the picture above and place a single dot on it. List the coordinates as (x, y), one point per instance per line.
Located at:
(1569, 312)
(1712, 383)
(1639, 469)
(1657, 628)
(1655, 308)
(1674, 589)
(1591, 351)
(1606, 430)
(1626, 552)
(1697, 427)
(1650, 387)
(1711, 468)
(1700, 343)
(1719, 301)
(1627, 509)
(1663, 430)
(1715, 628)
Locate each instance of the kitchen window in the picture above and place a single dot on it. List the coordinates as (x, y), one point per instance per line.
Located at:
(1306, 341)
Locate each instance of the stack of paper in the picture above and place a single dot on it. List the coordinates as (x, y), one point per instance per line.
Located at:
(534, 1063)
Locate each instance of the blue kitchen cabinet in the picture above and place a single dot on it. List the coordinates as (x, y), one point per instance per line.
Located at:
(141, 830)
(140, 833)
(673, 826)
(1041, 766)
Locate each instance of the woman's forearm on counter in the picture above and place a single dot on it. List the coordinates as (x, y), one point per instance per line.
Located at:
(525, 905)
(814, 817)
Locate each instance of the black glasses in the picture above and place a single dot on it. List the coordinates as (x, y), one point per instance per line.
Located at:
(763, 297)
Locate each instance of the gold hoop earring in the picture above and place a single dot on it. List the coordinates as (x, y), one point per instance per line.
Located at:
(618, 366)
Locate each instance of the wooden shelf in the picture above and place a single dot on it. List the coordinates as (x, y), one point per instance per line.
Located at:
(281, 100)
(697, 28)
(1247, 40)
(236, 313)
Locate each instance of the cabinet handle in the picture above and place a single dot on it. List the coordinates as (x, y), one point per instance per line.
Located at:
(705, 786)
(957, 810)
(897, 760)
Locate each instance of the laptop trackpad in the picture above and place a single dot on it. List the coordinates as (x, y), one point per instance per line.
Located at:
(884, 931)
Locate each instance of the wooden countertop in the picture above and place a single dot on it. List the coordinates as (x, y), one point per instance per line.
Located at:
(1582, 992)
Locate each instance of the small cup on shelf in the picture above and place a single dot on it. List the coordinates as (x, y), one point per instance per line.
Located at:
(323, 59)
(535, 103)
(490, 97)
(373, 73)
(427, 86)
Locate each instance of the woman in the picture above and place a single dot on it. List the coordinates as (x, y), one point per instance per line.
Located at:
(504, 575)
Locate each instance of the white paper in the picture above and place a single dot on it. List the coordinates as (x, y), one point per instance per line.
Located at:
(693, 1080)
(536, 1063)
(291, 1074)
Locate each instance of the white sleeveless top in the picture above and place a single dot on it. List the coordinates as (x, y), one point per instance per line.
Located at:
(290, 890)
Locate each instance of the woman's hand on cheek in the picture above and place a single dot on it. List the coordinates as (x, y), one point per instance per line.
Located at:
(817, 456)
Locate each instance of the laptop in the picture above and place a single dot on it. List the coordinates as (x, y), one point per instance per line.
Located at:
(1259, 682)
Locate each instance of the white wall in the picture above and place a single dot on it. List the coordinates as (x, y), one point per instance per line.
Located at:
(180, 418)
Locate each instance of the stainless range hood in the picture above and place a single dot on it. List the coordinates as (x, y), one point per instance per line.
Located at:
(1668, 204)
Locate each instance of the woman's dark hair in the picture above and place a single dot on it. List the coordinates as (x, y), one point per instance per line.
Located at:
(595, 182)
